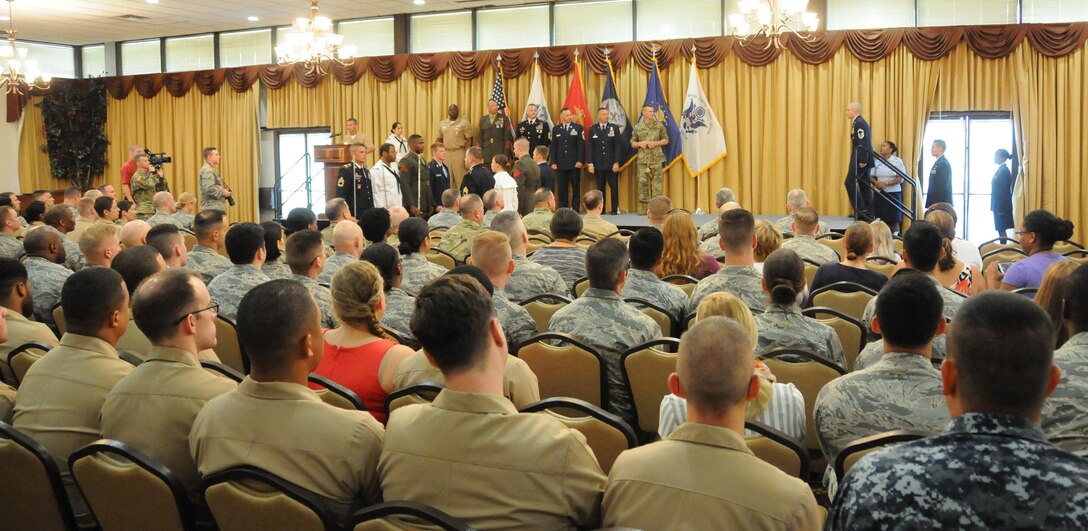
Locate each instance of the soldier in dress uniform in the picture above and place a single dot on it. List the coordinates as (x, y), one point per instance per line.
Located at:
(479, 178)
(537, 132)
(352, 135)
(415, 179)
(439, 172)
(547, 175)
(353, 182)
(566, 155)
(604, 153)
(527, 175)
(648, 137)
(861, 149)
(494, 131)
(455, 133)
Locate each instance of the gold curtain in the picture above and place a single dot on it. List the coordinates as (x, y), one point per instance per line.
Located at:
(34, 171)
(183, 127)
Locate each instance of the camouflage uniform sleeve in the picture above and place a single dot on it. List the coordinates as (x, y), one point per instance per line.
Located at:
(209, 185)
(144, 181)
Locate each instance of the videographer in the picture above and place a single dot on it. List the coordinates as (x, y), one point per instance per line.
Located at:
(145, 183)
(213, 194)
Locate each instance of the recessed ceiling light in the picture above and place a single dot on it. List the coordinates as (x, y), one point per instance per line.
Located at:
(419, 2)
(152, 1)
(252, 18)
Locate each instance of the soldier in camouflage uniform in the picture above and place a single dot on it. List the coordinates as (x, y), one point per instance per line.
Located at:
(874, 350)
(952, 302)
(449, 216)
(145, 183)
(322, 296)
(782, 325)
(603, 321)
(165, 207)
(305, 253)
(647, 137)
(738, 276)
(62, 220)
(213, 193)
(399, 305)
(797, 199)
(228, 288)
(710, 228)
(529, 278)
(992, 468)
(204, 259)
(348, 242)
(207, 262)
(45, 254)
(415, 242)
(10, 246)
(645, 249)
(491, 253)
(804, 242)
(493, 204)
(540, 219)
(458, 239)
(1064, 420)
(185, 210)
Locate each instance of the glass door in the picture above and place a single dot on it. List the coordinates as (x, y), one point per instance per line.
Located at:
(300, 180)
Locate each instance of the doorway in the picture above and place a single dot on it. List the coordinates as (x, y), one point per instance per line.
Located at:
(972, 139)
(300, 180)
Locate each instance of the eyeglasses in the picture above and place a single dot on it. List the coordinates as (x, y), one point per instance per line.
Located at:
(1023, 232)
(214, 308)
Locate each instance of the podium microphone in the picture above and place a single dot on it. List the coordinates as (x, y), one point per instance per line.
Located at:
(334, 135)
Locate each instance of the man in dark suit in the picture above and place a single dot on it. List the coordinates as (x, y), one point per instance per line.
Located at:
(536, 131)
(1001, 195)
(547, 175)
(940, 177)
(527, 175)
(604, 151)
(861, 147)
(479, 178)
(353, 182)
(440, 173)
(567, 153)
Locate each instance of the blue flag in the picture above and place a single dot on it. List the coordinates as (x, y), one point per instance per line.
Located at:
(655, 97)
(617, 116)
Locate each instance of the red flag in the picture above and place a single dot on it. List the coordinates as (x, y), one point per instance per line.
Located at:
(576, 102)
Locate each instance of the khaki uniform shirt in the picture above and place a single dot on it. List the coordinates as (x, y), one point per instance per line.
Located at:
(594, 226)
(704, 477)
(161, 217)
(10, 246)
(531, 279)
(82, 224)
(207, 262)
(211, 189)
(491, 466)
(742, 281)
(153, 408)
(7, 402)
(21, 331)
(228, 288)
(458, 240)
(519, 384)
(539, 219)
(286, 429)
(454, 134)
(808, 247)
(361, 138)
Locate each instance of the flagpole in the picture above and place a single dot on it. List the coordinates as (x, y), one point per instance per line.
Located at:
(698, 207)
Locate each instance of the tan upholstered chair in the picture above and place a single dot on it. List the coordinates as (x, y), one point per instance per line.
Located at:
(126, 490)
(190, 240)
(335, 394)
(686, 283)
(847, 298)
(881, 265)
(569, 369)
(58, 318)
(998, 244)
(543, 307)
(251, 499)
(850, 331)
(658, 314)
(810, 270)
(1079, 256)
(1067, 246)
(31, 494)
(897, 244)
(219, 369)
(605, 433)
(387, 517)
(854, 451)
(442, 258)
(23, 356)
(646, 369)
(415, 394)
(778, 449)
(580, 286)
(585, 242)
(810, 376)
(228, 347)
(832, 241)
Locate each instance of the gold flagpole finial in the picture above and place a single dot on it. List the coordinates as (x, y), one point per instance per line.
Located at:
(692, 48)
(536, 55)
(607, 52)
(653, 50)
(576, 55)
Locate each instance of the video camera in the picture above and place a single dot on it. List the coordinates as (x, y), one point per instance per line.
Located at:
(157, 159)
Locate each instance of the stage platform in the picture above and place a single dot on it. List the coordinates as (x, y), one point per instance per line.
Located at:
(636, 221)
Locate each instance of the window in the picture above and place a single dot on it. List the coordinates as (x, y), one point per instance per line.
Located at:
(1040, 11)
(190, 53)
(864, 14)
(441, 32)
(94, 60)
(369, 37)
(54, 60)
(660, 19)
(517, 27)
(140, 57)
(244, 48)
(593, 22)
(967, 12)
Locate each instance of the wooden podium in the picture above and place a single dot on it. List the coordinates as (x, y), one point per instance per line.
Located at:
(332, 156)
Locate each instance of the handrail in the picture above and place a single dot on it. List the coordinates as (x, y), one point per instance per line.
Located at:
(307, 184)
(909, 212)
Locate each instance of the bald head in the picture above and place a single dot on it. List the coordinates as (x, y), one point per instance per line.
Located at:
(164, 201)
(727, 206)
(491, 200)
(853, 110)
(471, 206)
(797, 198)
(348, 238)
(134, 233)
(658, 209)
(44, 242)
(715, 365)
(397, 215)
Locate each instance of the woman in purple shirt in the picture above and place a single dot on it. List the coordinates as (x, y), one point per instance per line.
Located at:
(1037, 235)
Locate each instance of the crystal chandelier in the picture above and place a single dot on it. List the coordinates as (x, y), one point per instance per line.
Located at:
(312, 42)
(17, 70)
(772, 19)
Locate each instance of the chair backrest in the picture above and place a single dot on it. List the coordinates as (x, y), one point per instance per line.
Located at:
(540, 237)
(436, 235)
(623, 235)
(572, 368)
(532, 247)
(605, 433)
(585, 242)
(442, 258)
(778, 449)
(23, 356)
(580, 286)
(690, 320)
(881, 265)
(1066, 246)
(897, 243)
(542, 307)
(810, 376)
(1080, 256)
(1029, 292)
(646, 369)
(219, 369)
(835, 244)
(335, 394)
(125, 489)
(415, 394)
(848, 298)
(251, 499)
(851, 453)
(58, 318)
(686, 282)
(1002, 255)
(384, 516)
(190, 240)
(228, 347)
(850, 331)
(658, 314)
(31, 494)
(810, 270)
(997, 244)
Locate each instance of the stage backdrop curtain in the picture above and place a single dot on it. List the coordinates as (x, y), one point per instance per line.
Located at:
(183, 127)
(34, 171)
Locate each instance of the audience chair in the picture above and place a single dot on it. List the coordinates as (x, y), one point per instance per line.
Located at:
(219, 369)
(585, 242)
(537, 236)
(1002, 255)
(646, 369)
(810, 376)
(580, 287)
(538, 232)
(543, 307)
(998, 244)
(414, 394)
(58, 317)
(1067, 246)
(335, 394)
(661, 316)
(564, 366)
(850, 331)
(251, 499)
(882, 265)
(190, 239)
(623, 235)
(690, 322)
(606, 434)
(32, 493)
(810, 270)
(897, 243)
(1027, 292)
(126, 489)
(228, 347)
(387, 517)
(400, 337)
(848, 298)
(22, 357)
(532, 247)
(1079, 256)
(442, 258)
(833, 241)
(686, 282)
(436, 235)
(778, 449)
(859, 448)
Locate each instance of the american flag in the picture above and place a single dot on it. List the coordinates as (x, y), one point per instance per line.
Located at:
(498, 93)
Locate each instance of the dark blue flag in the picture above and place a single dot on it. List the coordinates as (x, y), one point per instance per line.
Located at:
(611, 99)
(655, 97)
